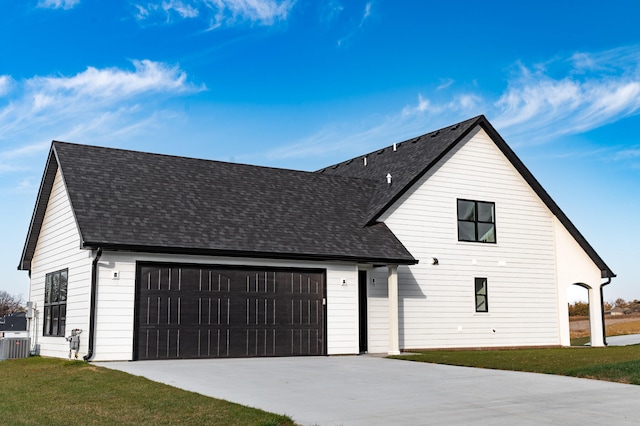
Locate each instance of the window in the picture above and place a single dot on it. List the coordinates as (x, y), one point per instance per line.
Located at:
(481, 295)
(55, 303)
(476, 221)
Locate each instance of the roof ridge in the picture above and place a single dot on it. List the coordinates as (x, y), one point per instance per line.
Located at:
(413, 139)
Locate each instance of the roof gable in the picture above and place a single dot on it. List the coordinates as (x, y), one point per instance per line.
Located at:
(46, 185)
(408, 161)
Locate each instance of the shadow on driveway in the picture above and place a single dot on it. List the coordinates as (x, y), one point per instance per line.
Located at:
(368, 390)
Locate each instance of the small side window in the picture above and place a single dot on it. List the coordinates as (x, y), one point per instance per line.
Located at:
(482, 302)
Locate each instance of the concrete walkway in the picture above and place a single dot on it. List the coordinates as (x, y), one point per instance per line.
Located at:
(368, 390)
(629, 339)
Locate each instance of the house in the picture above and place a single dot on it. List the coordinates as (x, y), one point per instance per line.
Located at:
(618, 310)
(441, 241)
(16, 321)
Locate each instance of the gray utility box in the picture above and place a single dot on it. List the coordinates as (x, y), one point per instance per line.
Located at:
(11, 348)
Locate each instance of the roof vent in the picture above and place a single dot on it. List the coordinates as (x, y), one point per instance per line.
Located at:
(395, 147)
(455, 127)
(364, 160)
(434, 134)
(389, 178)
(381, 151)
(416, 140)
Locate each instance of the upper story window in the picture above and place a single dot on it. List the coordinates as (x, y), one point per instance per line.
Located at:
(55, 303)
(476, 221)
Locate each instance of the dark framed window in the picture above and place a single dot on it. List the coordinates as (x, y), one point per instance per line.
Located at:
(55, 303)
(482, 301)
(476, 221)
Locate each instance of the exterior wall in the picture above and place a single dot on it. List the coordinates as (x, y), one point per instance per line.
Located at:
(116, 299)
(575, 267)
(58, 248)
(437, 302)
(378, 311)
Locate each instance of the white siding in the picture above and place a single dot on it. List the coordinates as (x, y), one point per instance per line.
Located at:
(574, 267)
(58, 248)
(437, 307)
(116, 298)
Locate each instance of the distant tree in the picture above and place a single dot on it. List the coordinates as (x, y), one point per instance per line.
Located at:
(607, 306)
(579, 309)
(621, 303)
(9, 303)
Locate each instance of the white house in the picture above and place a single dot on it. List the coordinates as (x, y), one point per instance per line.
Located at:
(442, 241)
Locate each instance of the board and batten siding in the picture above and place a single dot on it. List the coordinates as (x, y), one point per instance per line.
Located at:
(116, 299)
(57, 248)
(437, 302)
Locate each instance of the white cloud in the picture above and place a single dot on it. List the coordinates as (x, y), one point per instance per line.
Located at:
(539, 103)
(6, 82)
(214, 13)
(422, 106)
(184, 10)
(330, 10)
(93, 104)
(58, 4)
(368, 11)
(112, 84)
(626, 154)
(445, 83)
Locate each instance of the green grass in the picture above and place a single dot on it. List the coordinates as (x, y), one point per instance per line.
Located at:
(39, 391)
(616, 364)
(580, 341)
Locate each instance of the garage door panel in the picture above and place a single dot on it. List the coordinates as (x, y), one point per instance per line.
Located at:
(186, 311)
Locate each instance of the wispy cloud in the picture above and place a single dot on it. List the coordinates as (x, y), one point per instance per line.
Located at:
(330, 10)
(5, 84)
(445, 83)
(58, 4)
(540, 102)
(461, 104)
(213, 13)
(628, 154)
(563, 96)
(368, 11)
(93, 104)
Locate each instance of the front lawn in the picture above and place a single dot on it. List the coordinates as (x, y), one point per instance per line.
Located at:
(46, 391)
(615, 364)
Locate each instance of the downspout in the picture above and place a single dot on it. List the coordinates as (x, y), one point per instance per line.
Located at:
(92, 309)
(604, 328)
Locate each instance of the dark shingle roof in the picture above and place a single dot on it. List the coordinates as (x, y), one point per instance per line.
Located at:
(411, 160)
(140, 201)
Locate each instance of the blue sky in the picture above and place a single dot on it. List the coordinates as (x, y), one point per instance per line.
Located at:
(302, 84)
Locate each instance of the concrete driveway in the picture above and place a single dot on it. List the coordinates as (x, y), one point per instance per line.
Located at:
(368, 390)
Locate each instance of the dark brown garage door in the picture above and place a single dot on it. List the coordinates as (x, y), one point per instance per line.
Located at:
(197, 311)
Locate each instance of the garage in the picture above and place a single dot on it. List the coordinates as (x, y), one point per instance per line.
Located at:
(205, 311)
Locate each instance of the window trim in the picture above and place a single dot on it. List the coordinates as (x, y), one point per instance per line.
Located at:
(53, 325)
(476, 222)
(477, 294)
